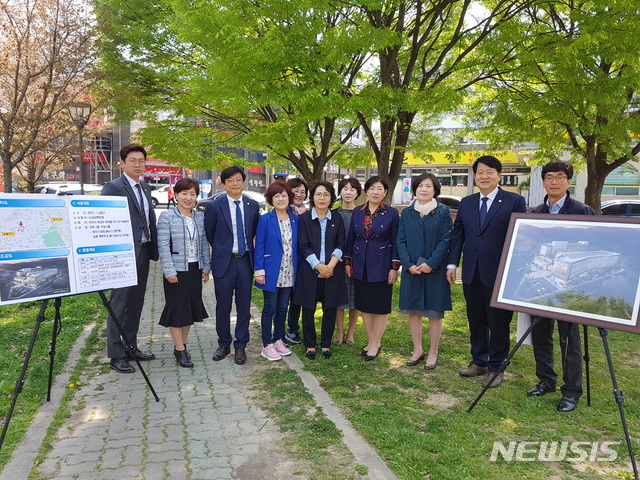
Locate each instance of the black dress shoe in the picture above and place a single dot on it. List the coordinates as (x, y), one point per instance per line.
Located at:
(310, 354)
(220, 353)
(368, 358)
(121, 365)
(567, 404)
(363, 352)
(240, 357)
(326, 354)
(141, 356)
(413, 363)
(182, 358)
(540, 389)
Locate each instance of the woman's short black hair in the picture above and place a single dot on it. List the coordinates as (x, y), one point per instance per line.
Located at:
(325, 184)
(276, 187)
(375, 179)
(186, 184)
(421, 178)
(354, 182)
(295, 182)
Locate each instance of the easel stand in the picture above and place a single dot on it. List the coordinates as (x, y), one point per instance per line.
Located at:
(56, 330)
(619, 397)
(617, 394)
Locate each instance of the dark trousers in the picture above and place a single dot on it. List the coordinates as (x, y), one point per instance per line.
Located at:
(127, 304)
(294, 318)
(328, 321)
(237, 279)
(274, 314)
(571, 348)
(488, 327)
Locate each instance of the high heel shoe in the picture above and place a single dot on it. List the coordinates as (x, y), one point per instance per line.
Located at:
(182, 359)
(431, 366)
(363, 352)
(413, 363)
(311, 354)
(326, 354)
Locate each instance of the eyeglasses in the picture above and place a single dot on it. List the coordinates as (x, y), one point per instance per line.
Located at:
(555, 179)
(135, 162)
(322, 195)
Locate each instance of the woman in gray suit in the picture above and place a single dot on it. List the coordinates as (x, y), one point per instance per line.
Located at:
(186, 263)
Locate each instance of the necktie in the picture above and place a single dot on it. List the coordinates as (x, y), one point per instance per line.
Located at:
(242, 248)
(483, 211)
(145, 225)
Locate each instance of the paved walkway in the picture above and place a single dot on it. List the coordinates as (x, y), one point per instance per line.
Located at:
(204, 427)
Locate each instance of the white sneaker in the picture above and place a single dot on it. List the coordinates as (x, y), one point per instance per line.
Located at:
(281, 348)
(270, 353)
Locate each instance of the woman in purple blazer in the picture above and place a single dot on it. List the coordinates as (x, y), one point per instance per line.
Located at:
(276, 262)
(373, 262)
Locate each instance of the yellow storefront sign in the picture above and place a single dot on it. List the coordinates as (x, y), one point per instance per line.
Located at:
(464, 158)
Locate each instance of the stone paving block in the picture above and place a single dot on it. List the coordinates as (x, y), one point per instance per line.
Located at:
(128, 472)
(155, 471)
(131, 456)
(165, 456)
(211, 462)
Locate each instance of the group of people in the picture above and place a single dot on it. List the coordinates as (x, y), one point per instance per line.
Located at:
(344, 259)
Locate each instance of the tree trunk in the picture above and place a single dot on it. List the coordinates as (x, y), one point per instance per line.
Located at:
(6, 173)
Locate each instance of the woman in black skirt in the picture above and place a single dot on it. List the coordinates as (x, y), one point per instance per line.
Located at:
(372, 260)
(186, 263)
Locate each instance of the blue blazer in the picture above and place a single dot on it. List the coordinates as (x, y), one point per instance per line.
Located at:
(268, 253)
(376, 251)
(172, 242)
(219, 228)
(120, 187)
(482, 249)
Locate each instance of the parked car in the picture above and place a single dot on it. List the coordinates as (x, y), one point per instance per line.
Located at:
(71, 189)
(626, 207)
(451, 201)
(258, 197)
(160, 195)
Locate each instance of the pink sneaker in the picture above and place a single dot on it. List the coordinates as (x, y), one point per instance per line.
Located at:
(281, 348)
(270, 353)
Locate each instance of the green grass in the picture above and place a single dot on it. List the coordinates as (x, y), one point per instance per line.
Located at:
(417, 419)
(17, 323)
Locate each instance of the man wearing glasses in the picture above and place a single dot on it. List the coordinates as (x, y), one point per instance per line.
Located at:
(556, 177)
(127, 302)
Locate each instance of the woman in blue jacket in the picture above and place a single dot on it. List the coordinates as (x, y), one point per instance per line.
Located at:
(372, 260)
(276, 263)
(186, 262)
(423, 242)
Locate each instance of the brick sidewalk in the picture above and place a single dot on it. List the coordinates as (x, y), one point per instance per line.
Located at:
(204, 426)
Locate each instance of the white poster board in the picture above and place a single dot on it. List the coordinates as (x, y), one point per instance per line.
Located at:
(53, 246)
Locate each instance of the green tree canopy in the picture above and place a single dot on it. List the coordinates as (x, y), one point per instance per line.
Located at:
(570, 83)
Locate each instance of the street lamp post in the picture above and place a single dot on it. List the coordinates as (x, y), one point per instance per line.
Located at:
(80, 113)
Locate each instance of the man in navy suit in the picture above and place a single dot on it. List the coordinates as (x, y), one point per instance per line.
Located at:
(230, 222)
(127, 302)
(478, 234)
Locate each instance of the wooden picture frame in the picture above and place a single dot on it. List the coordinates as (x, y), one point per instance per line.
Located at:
(579, 268)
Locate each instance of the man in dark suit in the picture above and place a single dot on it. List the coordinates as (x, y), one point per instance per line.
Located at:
(556, 178)
(230, 222)
(127, 302)
(478, 234)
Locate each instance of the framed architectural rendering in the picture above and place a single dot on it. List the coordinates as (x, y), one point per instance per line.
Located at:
(579, 268)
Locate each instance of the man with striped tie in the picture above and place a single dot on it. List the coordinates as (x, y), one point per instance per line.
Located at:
(127, 302)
